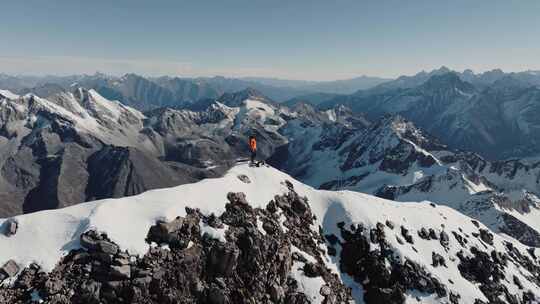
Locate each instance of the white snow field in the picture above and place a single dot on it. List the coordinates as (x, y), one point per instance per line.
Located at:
(44, 237)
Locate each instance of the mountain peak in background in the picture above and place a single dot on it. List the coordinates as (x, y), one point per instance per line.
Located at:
(448, 80)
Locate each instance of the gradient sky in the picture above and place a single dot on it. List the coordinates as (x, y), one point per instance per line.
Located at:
(315, 40)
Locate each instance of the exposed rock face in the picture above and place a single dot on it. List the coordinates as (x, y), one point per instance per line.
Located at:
(520, 231)
(368, 267)
(249, 266)
(488, 270)
(122, 171)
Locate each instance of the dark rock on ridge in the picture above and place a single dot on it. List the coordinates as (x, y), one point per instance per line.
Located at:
(249, 267)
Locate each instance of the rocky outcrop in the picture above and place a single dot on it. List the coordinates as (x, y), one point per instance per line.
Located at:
(385, 279)
(487, 269)
(520, 231)
(195, 258)
(122, 171)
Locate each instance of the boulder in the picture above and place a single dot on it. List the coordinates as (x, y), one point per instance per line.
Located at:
(437, 260)
(107, 247)
(89, 240)
(244, 178)
(299, 205)
(9, 269)
(325, 290)
(486, 236)
(10, 227)
(162, 232)
(312, 270)
(433, 234)
(406, 235)
(517, 282)
(95, 242)
(423, 234)
(269, 227)
(444, 239)
(238, 198)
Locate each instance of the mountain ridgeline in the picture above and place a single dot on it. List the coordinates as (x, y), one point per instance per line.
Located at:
(77, 146)
(494, 114)
(146, 93)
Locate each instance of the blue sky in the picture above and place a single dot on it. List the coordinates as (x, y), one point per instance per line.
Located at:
(315, 40)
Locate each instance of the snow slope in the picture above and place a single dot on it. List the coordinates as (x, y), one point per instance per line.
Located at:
(8, 94)
(44, 237)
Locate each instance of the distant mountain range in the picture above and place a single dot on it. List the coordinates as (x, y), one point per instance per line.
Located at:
(492, 113)
(145, 93)
(495, 114)
(346, 86)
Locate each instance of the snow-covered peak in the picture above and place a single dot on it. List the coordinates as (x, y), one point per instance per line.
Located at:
(82, 110)
(440, 244)
(447, 81)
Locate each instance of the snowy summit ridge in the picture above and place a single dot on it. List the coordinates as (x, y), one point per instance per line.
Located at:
(383, 250)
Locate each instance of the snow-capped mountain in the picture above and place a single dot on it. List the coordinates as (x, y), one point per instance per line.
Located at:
(395, 160)
(70, 148)
(77, 146)
(145, 93)
(259, 235)
(497, 120)
(477, 79)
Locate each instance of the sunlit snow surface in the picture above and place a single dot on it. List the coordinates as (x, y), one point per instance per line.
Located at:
(8, 94)
(44, 237)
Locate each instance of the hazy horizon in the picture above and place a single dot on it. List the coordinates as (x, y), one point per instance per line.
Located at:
(247, 77)
(296, 40)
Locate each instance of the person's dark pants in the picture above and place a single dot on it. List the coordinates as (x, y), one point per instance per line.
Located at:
(253, 155)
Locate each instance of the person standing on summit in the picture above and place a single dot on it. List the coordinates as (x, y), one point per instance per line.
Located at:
(253, 148)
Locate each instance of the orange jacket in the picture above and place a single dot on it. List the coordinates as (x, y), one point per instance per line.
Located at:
(253, 144)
